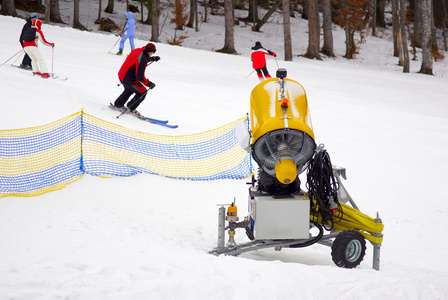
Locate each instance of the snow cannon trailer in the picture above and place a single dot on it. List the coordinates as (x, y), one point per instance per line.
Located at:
(282, 215)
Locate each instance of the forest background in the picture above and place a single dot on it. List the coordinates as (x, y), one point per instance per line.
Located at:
(418, 27)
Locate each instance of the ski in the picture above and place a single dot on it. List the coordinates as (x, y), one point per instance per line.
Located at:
(117, 54)
(60, 78)
(160, 123)
(156, 120)
(163, 123)
(52, 75)
(19, 67)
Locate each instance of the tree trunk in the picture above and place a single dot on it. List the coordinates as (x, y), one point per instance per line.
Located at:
(350, 47)
(252, 12)
(141, 12)
(444, 26)
(287, 30)
(229, 42)
(55, 15)
(76, 23)
(193, 8)
(100, 4)
(404, 38)
(305, 9)
(8, 8)
(426, 38)
(395, 27)
(418, 21)
(380, 9)
(155, 21)
(266, 16)
(47, 11)
(205, 12)
(196, 18)
(110, 7)
(374, 18)
(327, 49)
(313, 31)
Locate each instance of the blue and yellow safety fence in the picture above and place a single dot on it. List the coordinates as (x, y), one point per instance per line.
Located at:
(39, 159)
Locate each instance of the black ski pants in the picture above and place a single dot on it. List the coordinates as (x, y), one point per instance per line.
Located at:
(131, 88)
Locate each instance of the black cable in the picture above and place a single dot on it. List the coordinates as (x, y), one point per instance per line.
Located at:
(323, 190)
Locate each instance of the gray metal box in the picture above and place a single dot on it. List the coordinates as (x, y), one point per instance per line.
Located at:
(281, 218)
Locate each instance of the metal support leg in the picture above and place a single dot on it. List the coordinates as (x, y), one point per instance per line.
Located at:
(376, 256)
(376, 247)
(221, 227)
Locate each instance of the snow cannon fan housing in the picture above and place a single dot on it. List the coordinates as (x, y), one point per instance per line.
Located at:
(282, 134)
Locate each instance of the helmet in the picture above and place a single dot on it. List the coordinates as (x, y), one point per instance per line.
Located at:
(34, 16)
(37, 23)
(150, 47)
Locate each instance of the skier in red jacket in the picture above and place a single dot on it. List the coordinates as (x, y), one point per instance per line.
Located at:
(31, 36)
(259, 60)
(132, 76)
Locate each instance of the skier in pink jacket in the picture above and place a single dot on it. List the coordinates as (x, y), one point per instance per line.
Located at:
(31, 37)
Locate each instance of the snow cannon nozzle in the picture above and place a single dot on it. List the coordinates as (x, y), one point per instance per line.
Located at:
(281, 73)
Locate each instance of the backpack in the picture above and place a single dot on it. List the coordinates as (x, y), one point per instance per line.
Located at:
(29, 35)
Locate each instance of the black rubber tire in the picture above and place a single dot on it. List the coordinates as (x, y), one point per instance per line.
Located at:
(348, 249)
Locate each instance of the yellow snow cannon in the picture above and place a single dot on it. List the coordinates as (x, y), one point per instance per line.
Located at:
(282, 133)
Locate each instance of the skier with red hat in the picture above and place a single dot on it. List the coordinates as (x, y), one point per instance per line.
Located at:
(132, 76)
(31, 36)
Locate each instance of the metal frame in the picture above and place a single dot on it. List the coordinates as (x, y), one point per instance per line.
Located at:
(326, 239)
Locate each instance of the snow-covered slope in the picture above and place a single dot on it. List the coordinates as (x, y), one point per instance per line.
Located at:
(147, 237)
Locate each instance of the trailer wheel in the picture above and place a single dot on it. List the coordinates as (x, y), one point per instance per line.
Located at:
(348, 249)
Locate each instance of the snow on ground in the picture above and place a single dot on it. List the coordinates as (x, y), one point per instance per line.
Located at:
(147, 236)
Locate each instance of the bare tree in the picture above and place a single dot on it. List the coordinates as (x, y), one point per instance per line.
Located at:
(110, 7)
(100, 6)
(193, 13)
(252, 12)
(351, 15)
(395, 31)
(305, 9)
(8, 8)
(427, 60)
(155, 20)
(327, 49)
(76, 23)
(313, 30)
(229, 42)
(55, 15)
(445, 44)
(403, 35)
(418, 27)
(380, 9)
(47, 11)
(266, 16)
(373, 24)
(287, 30)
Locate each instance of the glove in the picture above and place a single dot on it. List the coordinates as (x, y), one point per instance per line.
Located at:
(52, 45)
(151, 85)
(154, 58)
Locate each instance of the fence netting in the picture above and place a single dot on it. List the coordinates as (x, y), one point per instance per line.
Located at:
(44, 158)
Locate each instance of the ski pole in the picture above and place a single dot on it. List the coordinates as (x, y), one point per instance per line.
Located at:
(115, 44)
(249, 74)
(276, 62)
(52, 61)
(11, 57)
(128, 108)
(17, 58)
